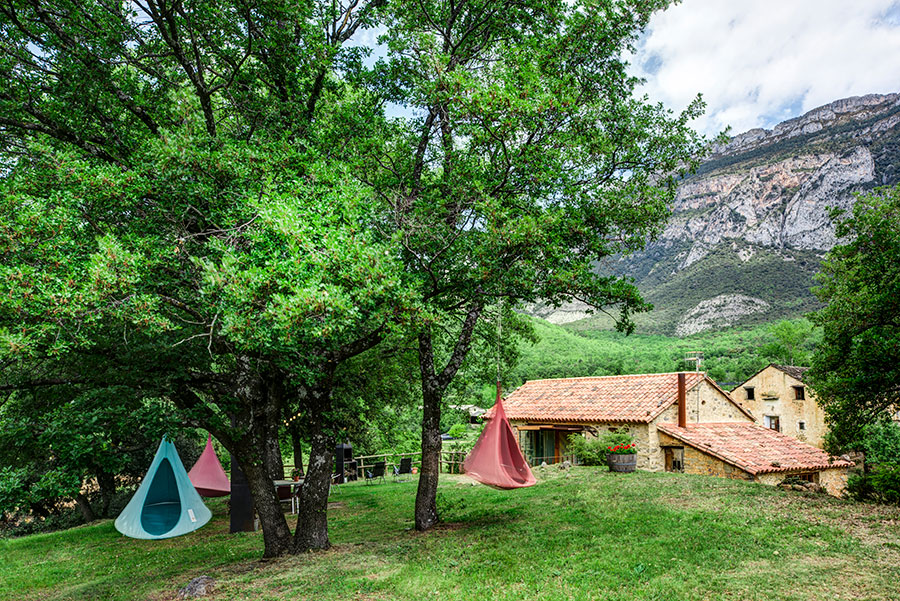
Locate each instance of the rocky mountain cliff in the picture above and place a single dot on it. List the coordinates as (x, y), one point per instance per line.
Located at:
(748, 230)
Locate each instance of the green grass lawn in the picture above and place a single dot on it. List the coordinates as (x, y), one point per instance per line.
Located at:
(588, 534)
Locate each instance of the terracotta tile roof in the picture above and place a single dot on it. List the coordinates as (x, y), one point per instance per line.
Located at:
(753, 448)
(792, 370)
(629, 398)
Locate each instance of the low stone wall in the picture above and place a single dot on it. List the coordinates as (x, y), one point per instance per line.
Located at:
(833, 480)
(696, 462)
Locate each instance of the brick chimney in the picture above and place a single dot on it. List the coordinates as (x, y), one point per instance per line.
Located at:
(682, 404)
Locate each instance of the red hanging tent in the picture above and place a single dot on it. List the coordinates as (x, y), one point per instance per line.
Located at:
(207, 475)
(496, 459)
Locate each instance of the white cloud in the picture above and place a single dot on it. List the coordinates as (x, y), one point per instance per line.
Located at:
(759, 62)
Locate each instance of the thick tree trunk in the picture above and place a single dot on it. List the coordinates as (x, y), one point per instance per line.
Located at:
(426, 495)
(276, 533)
(261, 408)
(312, 521)
(87, 512)
(272, 441)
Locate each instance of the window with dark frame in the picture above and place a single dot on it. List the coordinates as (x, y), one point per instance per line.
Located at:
(799, 393)
(750, 393)
(801, 425)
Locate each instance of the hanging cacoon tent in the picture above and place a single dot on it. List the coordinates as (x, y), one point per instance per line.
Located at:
(496, 459)
(166, 504)
(207, 475)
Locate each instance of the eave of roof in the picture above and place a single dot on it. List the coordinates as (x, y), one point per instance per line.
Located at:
(723, 453)
(781, 368)
(538, 413)
(541, 414)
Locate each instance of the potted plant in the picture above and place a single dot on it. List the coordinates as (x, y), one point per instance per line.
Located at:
(622, 457)
(296, 473)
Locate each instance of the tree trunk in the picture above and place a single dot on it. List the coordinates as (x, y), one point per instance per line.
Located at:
(247, 441)
(426, 495)
(260, 409)
(106, 482)
(276, 534)
(294, 429)
(312, 521)
(84, 505)
(272, 441)
(433, 387)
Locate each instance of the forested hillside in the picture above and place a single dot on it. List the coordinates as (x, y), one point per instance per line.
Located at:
(730, 356)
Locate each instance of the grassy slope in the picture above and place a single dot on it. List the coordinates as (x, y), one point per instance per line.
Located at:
(593, 535)
(730, 355)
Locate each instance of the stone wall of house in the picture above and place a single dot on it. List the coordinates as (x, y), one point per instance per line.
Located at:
(833, 480)
(697, 462)
(706, 404)
(774, 395)
(649, 452)
(656, 460)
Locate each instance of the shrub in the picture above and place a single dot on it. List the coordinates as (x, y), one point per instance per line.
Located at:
(859, 488)
(458, 430)
(881, 485)
(880, 441)
(590, 451)
(593, 451)
(886, 483)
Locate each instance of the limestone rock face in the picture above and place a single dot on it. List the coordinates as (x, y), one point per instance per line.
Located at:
(559, 315)
(856, 110)
(774, 188)
(723, 310)
(749, 229)
(782, 205)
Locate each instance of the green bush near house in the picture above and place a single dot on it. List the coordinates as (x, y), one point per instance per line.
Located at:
(458, 430)
(880, 441)
(881, 485)
(886, 483)
(588, 450)
(593, 451)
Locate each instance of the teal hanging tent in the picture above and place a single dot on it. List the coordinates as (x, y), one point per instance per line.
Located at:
(166, 504)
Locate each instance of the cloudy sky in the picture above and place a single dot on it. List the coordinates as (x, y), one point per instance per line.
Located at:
(759, 62)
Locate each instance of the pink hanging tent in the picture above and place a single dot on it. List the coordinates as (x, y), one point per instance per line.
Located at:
(496, 459)
(207, 475)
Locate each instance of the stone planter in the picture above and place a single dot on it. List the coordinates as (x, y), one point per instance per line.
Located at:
(621, 463)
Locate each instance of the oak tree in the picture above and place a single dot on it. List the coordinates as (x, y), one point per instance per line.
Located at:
(525, 159)
(856, 367)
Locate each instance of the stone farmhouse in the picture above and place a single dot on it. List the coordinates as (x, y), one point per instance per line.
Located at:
(681, 422)
(780, 400)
